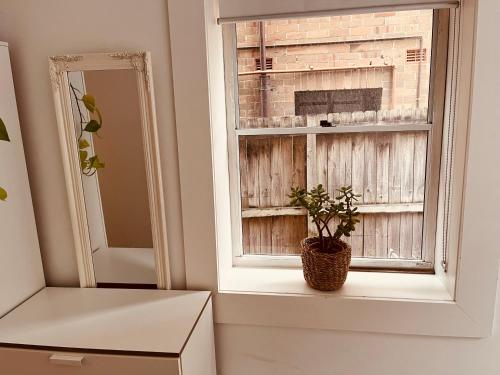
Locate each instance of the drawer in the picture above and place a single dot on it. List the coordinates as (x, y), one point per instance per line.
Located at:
(15, 361)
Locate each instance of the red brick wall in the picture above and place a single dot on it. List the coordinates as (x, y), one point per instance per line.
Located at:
(340, 41)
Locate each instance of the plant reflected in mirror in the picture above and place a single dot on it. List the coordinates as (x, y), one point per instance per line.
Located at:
(88, 164)
(4, 136)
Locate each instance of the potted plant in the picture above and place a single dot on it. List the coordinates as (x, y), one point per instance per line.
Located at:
(325, 257)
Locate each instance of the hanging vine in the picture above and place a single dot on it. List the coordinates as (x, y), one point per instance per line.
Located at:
(4, 136)
(88, 164)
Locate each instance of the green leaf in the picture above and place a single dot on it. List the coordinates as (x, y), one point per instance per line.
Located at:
(3, 194)
(98, 115)
(95, 162)
(92, 126)
(82, 143)
(89, 102)
(83, 155)
(4, 136)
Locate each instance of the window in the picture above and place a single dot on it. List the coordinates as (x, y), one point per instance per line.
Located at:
(385, 141)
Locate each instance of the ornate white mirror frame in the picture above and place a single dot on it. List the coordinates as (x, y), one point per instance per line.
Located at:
(141, 63)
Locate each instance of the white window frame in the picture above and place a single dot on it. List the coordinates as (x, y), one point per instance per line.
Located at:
(404, 303)
(433, 127)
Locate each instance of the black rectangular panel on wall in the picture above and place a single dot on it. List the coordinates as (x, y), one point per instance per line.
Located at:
(332, 101)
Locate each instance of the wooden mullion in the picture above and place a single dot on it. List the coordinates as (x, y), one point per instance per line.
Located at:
(314, 128)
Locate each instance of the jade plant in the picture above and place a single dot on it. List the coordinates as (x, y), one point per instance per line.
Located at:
(322, 209)
(88, 164)
(4, 136)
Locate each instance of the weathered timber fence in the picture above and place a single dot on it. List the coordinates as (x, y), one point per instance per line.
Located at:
(387, 168)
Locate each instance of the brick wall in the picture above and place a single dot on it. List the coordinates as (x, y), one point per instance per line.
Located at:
(376, 42)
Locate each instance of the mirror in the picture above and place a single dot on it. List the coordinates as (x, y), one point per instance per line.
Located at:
(106, 118)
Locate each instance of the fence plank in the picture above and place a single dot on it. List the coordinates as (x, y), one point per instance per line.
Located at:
(416, 252)
(382, 178)
(243, 172)
(265, 183)
(345, 165)
(370, 190)
(278, 231)
(357, 238)
(311, 160)
(419, 162)
(277, 165)
(253, 236)
(406, 231)
(419, 167)
(394, 221)
(357, 182)
(253, 172)
(294, 237)
(382, 148)
(322, 160)
(369, 236)
(406, 235)
(381, 236)
(276, 169)
(393, 235)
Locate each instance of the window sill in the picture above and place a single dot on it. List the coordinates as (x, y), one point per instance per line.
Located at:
(380, 285)
(369, 302)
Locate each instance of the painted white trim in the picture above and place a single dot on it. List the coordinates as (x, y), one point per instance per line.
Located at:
(366, 264)
(198, 67)
(141, 63)
(400, 127)
(242, 10)
(433, 126)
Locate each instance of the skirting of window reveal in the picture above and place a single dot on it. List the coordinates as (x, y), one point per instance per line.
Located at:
(450, 145)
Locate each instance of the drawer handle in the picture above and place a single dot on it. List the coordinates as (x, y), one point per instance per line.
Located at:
(67, 359)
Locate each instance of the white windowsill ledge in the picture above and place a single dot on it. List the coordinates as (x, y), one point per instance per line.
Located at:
(379, 285)
(369, 301)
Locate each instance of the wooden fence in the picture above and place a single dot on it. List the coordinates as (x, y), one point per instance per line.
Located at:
(387, 168)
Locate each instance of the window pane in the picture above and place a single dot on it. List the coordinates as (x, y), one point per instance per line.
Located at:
(376, 62)
(388, 169)
(365, 69)
(269, 167)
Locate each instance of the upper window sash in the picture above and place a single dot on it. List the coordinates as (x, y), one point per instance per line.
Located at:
(244, 10)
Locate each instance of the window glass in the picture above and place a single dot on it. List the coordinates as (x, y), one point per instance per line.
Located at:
(352, 72)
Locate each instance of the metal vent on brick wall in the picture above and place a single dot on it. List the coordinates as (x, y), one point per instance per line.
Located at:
(416, 55)
(269, 63)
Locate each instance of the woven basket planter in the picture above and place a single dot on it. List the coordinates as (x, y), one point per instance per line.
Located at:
(325, 271)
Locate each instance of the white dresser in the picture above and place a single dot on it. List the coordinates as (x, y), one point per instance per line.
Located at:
(21, 272)
(109, 331)
(66, 331)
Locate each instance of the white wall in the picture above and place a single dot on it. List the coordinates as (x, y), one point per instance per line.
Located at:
(245, 350)
(248, 350)
(32, 27)
(38, 29)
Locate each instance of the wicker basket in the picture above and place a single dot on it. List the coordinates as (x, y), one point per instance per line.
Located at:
(325, 271)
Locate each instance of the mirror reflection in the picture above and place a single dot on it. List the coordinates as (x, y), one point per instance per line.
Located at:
(107, 119)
